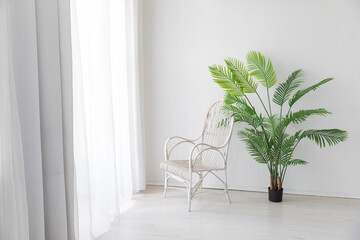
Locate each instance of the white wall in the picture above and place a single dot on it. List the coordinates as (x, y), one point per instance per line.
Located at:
(182, 37)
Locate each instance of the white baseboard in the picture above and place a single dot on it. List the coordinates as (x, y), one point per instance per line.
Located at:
(254, 189)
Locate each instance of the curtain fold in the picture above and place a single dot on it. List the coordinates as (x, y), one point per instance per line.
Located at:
(55, 101)
(107, 117)
(40, 31)
(14, 223)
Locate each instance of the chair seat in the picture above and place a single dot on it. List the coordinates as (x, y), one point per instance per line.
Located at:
(180, 168)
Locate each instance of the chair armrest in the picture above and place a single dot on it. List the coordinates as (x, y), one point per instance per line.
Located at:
(181, 141)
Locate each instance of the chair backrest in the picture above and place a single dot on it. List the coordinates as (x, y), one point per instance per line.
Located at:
(217, 132)
(218, 127)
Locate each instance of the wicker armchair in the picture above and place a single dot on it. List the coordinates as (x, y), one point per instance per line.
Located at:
(208, 154)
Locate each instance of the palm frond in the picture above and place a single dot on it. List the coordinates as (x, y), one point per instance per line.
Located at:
(241, 75)
(283, 91)
(323, 136)
(270, 125)
(288, 146)
(299, 94)
(256, 145)
(301, 115)
(238, 101)
(222, 76)
(260, 69)
(295, 162)
(239, 108)
(230, 98)
(243, 113)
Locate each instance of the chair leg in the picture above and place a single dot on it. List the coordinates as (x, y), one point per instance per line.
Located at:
(201, 184)
(189, 200)
(165, 184)
(226, 188)
(190, 193)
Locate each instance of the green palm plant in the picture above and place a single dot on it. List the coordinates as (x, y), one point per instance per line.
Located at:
(266, 136)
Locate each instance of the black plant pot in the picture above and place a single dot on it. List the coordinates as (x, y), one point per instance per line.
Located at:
(275, 196)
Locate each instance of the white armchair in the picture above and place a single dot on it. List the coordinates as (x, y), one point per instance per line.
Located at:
(208, 154)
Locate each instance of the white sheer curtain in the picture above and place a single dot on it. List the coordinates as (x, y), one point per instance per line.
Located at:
(13, 207)
(107, 127)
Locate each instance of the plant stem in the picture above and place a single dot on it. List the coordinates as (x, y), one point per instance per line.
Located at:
(267, 113)
(248, 100)
(288, 111)
(275, 177)
(282, 175)
(267, 90)
(271, 167)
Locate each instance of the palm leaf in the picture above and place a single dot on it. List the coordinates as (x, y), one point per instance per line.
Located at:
(238, 108)
(299, 94)
(271, 124)
(230, 98)
(222, 76)
(283, 91)
(288, 146)
(241, 75)
(302, 115)
(295, 162)
(299, 117)
(262, 70)
(243, 113)
(323, 136)
(238, 101)
(256, 145)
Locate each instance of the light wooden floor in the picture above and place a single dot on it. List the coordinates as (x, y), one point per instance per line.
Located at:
(250, 216)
